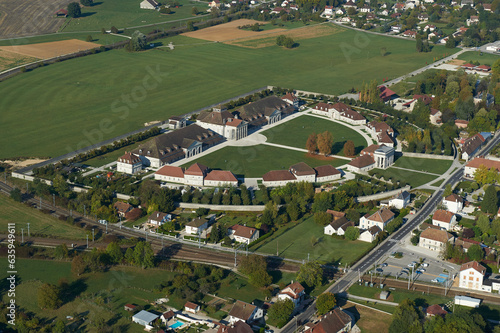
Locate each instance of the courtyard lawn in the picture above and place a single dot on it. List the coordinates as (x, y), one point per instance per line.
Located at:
(414, 179)
(484, 59)
(297, 243)
(110, 157)
(295, 132)
(40, 223)
(79, 102)
(255, 161)
(127, 13)
(423, 164)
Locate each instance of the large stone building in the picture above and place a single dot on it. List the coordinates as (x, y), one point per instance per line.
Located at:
(268, 110)
(172, 146)
(301, 172)
(435, 239)
(373, 156)
(196, 175)
(129, 163)
(224, 123)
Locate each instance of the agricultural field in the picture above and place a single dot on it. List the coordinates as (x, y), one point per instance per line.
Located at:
(414, 179)
(88, 96)
(484, 59)
(40, 223)
(423, 164)
(295, 132)
(128, 14)
(97, 38)
(307, 239)
(255, 161)
(26, 18)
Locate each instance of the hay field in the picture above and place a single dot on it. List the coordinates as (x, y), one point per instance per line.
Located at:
(50, 49)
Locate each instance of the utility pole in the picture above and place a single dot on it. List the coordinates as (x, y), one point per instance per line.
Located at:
(87, 241)
(235, 251)
(22, 235)
(28, 229)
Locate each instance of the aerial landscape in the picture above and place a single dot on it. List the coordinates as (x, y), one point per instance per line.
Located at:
(239, 166)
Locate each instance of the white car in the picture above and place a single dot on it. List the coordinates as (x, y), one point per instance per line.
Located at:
(103, 222)
(411, 265)
(425, 265)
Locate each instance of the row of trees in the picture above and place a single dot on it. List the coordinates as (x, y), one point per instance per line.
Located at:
(322, 143)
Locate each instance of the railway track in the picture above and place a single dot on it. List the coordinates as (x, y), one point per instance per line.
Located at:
(434, 289)
(163, 247)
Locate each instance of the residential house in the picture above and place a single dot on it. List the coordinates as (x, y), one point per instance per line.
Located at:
(475, 163)
(383, 132)
(223, 122)
(145, 319)
(365, 9)
(191, 307)
(435, 117)
(487, 7)
(122, 208)
(324, 109)
(335, 214)
(277, 10)
(461, 123)
(435, 239)
(472, 275)
(214, 4)
(471, 146)
(129, 307)
(466, 3)
(176, 122)
(473, 20)
(335, 226)
(294, 292)
(175, 145)
(245, 312)
(410, 34)
(341, 231)
(336, 321)
(370, 234)
(149, 4)
(444, 219)
(384, 12)
(430, 27)
(129, 163)
(290, 98)
(435, 310)
(243, 234)
(237, 327)
(453, 203)
(328, 11)
(423, 17)
(158, 218)
(387, 94)
(400, 200)
(166, 316)
(197, 226)
(380, 218)
(340, 11)
(349, 4)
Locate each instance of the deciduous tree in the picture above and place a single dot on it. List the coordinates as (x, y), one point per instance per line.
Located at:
(74, 10)
(325, 303)
(351, 233)
(78, 265)
(349, 149)
(325, 143)
(281, 311)
(311, 274)
(48, 297)
(312, 143)
(406, 318)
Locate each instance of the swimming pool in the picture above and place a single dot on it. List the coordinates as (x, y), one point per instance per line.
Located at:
(177, 324)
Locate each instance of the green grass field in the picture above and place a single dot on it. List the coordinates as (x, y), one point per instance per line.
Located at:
(295, 132)
(423, 164)
(40, 223)
(415, 179)
(254, 161)
(127, 13)
(72, 104)
(296, 244)
(485, 59)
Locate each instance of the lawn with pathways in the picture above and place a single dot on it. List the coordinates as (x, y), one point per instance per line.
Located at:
(40, 223)
(423, 164)
(255, 161)
(295, 132)
(127, 13)
(75, 103)
(298, 243)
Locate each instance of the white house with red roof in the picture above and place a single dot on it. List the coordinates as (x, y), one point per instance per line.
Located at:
(290, 98)
(195, 174)
(435, 239)
(328, 11)
(476, 163)
(327, 173)
(300, 172)
(220, 178)
(303, 172)
(472, 275)
(336, 321)
(129, 163)
(444, 219)
(380, 218)
(158, 218)
(294, 292)
(324, 109)
(344, 112)
(243, 234)
(170, 173)
(453, 203)
(191, 307)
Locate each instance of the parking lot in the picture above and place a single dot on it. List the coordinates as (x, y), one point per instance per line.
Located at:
(431, 270)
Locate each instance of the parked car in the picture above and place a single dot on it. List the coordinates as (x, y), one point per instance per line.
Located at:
(384, 264)
(103, 222)
(425, 265)
(380, 270)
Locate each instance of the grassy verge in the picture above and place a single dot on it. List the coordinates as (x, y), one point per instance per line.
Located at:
(415, 179)
(423, 164)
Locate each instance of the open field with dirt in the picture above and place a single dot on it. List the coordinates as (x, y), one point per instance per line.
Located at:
(26, 18)
(51, 49)
(11, 60)
(229, 31)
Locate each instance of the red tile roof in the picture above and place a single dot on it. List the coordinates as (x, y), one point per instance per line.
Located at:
(302, 169)
(334, 321)
(221, 175)
(243, 231)
(474, 265)
(326, 170)
(234, 122)
(129, 158)
(454, 198)
(196, 170)
(171, 171)
(442, 216)
(478, 161)
(386, 93)
(383, 215)
(362, 161)
(323, 107)
(277, 175)
(191, 305)
(438, 235)
(296, 288)
(436, 309)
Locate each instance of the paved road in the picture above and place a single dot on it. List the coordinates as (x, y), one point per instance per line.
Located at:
(386, 247)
